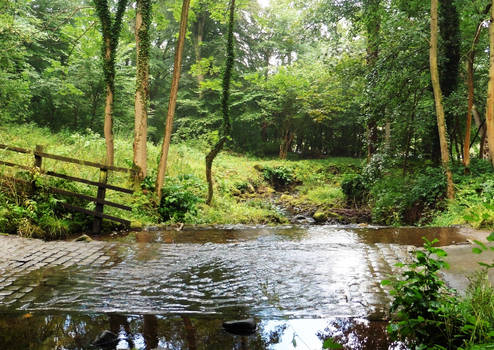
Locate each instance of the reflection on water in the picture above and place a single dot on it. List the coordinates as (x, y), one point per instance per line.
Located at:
(78, 331)
(324, 234)
(303, 284)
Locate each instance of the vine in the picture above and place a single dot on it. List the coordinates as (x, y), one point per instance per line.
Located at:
(144, 7)
(110, 30)
(226, 130)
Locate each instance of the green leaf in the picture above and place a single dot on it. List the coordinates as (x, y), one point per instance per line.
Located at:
(490, 238)
(331, 344)
(482, 245)
(476, 250)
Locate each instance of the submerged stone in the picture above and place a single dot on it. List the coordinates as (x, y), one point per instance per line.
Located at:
(106, 340)
(320, 216)
(83, 238)
(241, 327)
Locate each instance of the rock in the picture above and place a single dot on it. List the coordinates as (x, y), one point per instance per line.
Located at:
(286, 198)
(106, 340)
(83, 238)
(250, 188)
(269, 190)
(240, 327)
(259, 167)
(235, 192)
(320, 216)
(301, 219)
(136, 225)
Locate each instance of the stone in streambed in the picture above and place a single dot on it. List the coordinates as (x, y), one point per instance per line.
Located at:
(83, 238)
(106, 340)
(320, 216)
(240, 327)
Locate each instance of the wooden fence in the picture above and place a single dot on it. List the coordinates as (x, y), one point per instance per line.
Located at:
(102, 184)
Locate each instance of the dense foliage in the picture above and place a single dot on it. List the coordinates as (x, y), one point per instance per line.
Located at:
(311, 79)
(428, 315)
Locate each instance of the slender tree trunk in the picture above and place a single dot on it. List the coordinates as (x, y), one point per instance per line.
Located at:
(286, 143)
(230, 56)
(441, 124)
(484, 148)
(143, 17)
(173, 97)
(490, 89)
(373, 27)
(197, 48)
(387, 137)
(110, 29)
(108, 127)
(468, 127)
(471, 97)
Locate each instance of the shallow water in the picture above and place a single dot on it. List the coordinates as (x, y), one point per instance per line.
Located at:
(310, 282)
(326, 234)
(78, 331)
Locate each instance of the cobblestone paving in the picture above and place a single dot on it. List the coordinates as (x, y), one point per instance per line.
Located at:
(308, 278)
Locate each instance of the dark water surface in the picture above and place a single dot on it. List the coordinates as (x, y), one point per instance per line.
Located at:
(78, 331)
(173, 290)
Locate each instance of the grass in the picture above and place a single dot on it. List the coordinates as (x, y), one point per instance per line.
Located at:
(235, 176)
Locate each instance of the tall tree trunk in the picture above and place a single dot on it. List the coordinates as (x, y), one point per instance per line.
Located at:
(201, 23)
(490, 89)
(373, 27)
(173, 97)
(230, 56)
(441, 124)
(482, 130)
(110, 29)
(471, 97)
(143, 19)
(286, 143)
(108, 127)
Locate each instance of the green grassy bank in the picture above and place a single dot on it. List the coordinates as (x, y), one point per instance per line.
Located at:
(244, 186)
(248, 190)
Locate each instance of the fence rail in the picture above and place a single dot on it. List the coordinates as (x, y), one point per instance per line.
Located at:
(102, 185)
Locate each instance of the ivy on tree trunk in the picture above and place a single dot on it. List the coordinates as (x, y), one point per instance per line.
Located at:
(230, 56)
(110, 30)
(143, 22)
(441, 123)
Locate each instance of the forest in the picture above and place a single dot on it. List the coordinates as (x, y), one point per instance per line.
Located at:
(351, 111)
(284, 115)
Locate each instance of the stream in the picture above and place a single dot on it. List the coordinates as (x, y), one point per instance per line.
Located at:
(173, 290)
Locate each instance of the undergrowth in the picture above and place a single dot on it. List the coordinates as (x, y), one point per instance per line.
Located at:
(429, 315)
(244, 184)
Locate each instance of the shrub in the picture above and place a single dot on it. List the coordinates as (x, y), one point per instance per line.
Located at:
(390, 200)
(355, 188)
(425, 312)
(179, 199)
(279, 177)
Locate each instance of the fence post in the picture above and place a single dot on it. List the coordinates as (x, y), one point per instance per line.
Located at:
(103, 179)
(38, 161)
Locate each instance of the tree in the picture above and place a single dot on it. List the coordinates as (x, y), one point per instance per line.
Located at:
(110, 30)
(173, 97)
(441, 124)
(224, 104)
(490, 89)
(373, 26)
(471, 92)
(143, 23)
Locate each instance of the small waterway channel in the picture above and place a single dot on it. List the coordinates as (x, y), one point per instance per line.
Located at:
(173, 290)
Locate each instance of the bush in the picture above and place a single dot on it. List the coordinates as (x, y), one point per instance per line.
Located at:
(428, 315)
(355, 188)
(179, 199)
(279, 177)
(425, 312)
